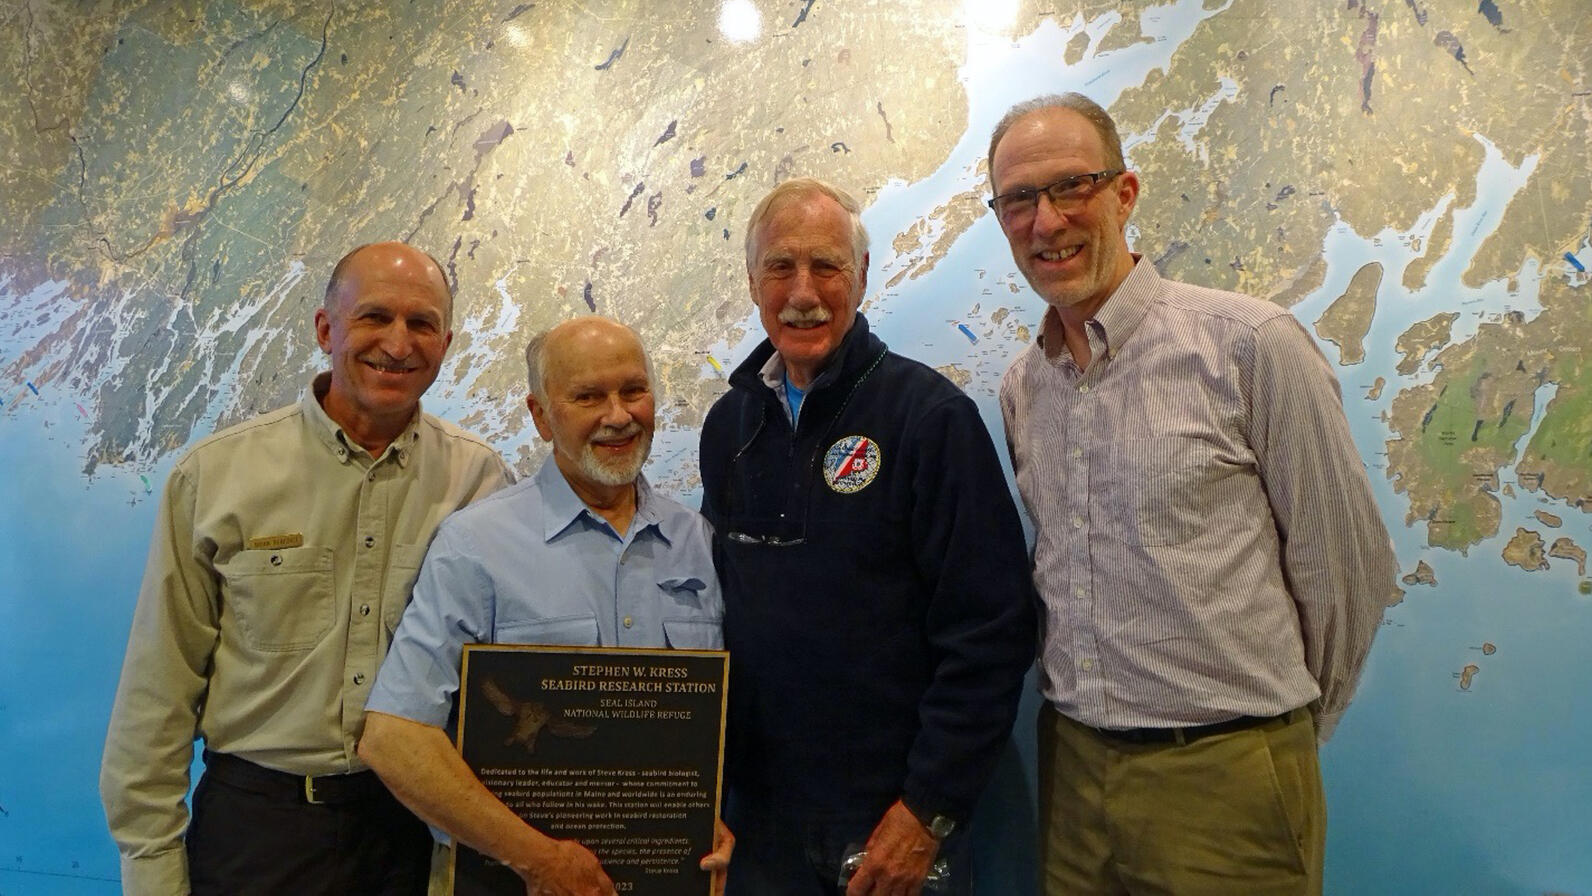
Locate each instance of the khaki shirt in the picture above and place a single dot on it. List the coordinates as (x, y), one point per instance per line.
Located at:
(281, 561)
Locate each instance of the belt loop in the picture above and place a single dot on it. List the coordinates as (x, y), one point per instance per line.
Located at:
(309, 791)
(1181, 736)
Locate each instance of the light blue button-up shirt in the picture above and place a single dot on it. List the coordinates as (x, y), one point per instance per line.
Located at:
(533, 564)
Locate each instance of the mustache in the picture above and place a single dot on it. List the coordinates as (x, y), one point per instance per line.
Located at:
(818, 315)
(616, 433)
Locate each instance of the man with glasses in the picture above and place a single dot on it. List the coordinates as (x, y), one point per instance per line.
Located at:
(877, 606)
(1211, 563)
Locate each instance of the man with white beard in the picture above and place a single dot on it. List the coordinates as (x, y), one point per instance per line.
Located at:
(582, 554)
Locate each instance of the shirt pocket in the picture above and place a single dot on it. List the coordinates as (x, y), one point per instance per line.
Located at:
(281, 601)
(692, 613)
(578, 630)
(694, 634)
(403, 567)
(1160, 487)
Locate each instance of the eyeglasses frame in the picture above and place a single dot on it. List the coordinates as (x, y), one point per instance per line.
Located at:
(1063, 186)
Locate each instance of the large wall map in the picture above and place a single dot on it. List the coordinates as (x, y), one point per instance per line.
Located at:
(1412, 177)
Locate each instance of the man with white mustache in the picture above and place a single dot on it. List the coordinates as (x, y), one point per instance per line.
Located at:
(877, 607)
(583, 554)
(1211, 561)
(281, 561)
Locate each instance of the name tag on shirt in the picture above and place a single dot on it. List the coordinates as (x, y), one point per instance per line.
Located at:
(276, 542)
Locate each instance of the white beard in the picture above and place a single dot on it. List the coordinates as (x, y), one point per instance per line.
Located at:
(620, 470)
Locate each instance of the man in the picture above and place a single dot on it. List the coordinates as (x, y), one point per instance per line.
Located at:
(583, 554)
(876, 606)
(282, 558)
(1211, 563)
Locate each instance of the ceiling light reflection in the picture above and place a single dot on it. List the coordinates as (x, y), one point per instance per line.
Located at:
(739, 21)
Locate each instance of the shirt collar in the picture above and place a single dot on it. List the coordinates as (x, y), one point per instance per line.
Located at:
(1119, 316)
(562, 508)
(775, 378)
(773, 372)
(338, 441)
(859, 349)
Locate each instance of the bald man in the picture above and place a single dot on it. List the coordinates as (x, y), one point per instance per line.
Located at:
(283, 554)
(584, 554)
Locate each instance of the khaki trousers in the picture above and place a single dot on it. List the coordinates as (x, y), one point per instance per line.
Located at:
(1235, 813)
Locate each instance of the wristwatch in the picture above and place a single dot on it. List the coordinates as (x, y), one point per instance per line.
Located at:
(939, 826)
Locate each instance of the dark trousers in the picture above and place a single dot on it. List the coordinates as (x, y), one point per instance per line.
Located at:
(783, 850)
(255, 831)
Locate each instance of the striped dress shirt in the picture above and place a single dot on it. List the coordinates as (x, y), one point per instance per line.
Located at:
(1207, 545)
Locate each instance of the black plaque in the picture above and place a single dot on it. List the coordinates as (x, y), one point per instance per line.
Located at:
(621, 750)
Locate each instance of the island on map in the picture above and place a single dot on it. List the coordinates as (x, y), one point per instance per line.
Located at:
(1422, 339)
(1525, 550)
(1453, 434)
(1565, 549)
(1453, 437)
(957, 374)
(1423, 575)
(1347, 320)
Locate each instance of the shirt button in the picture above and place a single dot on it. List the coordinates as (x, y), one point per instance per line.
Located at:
(370, 541)
(1087, 665)
(1079, 592)
(359, 677)
(1077, 522)
(1083, 388)
(276, 559)
(628, 621)
(364, 609)
(1077, 453)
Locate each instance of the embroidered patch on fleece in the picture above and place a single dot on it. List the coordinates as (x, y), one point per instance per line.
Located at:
(851, 463)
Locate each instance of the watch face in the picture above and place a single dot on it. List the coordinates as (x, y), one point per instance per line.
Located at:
(941, 827)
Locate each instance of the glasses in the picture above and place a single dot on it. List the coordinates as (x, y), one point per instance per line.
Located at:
(794, 532)
(1066, 195)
